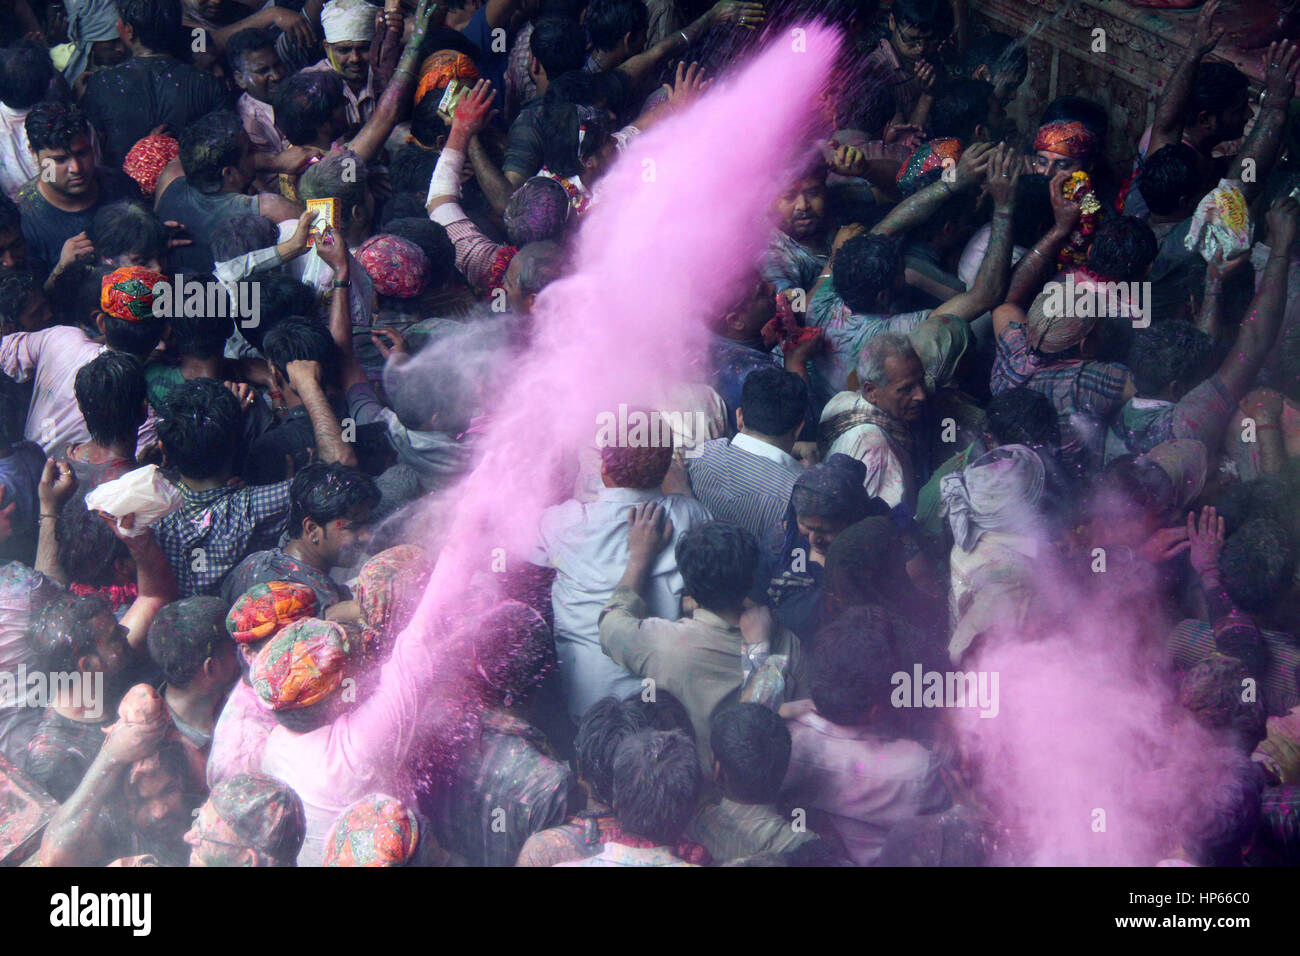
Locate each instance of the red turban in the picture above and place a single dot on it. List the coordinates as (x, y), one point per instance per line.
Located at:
(441, 68)
(1066, 139)
(397, 266)
(267, 607)
(146, 160)
(127, 293)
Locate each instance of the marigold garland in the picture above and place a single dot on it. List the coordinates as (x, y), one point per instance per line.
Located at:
(1078, 188)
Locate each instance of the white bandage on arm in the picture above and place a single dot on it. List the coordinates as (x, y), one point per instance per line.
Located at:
(446, 176)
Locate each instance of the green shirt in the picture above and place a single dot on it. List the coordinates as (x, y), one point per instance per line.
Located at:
(929, 506)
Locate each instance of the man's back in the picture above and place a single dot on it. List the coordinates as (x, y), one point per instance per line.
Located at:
(506, 788)
(199, 213)
(587, 545)
(125, 102)
(744, 481)
(863, 783)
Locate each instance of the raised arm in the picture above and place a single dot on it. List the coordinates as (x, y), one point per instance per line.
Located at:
(990, 285)
(1259, 151)
(1235, 632)
(304, 378)
(396, 98)
(490, 179)
(473, 113)
(73, 835)
(335, 254)
(641, 68)
(1217, 273)
(923, 204)
(155, 583)
(1039, 263)
(1264, 318)
(297, 26)
(58, 482)
(1171, 108)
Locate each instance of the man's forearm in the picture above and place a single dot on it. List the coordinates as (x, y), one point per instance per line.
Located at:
(393, 103)
(1259, 151)
(350, 371)
(1167, 127)
(153, 575)
(1208, 319)
(916, 209)
(1258, 329)
(638, 68)
(635, 574)
(490, 180)
(991, 280)
(71, 839)
(1038, 264)
(47, 548)
(330, 445)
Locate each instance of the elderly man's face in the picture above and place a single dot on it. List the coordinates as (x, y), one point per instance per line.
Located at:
(903, 394)
(213, 843)
(351, 59)
(801, 209)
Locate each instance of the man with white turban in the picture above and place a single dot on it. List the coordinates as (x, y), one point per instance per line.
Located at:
(349, 26)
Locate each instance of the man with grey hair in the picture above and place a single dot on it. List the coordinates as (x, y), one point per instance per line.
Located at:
(874, 424)
(531, 270)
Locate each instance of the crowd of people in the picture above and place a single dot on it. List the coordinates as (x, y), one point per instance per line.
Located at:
(982, 378)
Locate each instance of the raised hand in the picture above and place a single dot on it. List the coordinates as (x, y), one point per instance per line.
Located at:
(973, 167)
(1206, 536)
(1065, 212)
(1280, 65)
(848, 161)
(1003, 176)
(474, 110)
(333, 250)
(58, 482)
(926, 75)
(748, 15)
(688, 85)
(1206, 37)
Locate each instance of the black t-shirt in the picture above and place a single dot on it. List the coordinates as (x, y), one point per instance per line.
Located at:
(125, 102)
(199, 213)
(46, 227)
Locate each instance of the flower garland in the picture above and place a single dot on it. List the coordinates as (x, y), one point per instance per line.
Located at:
(115, 594)
(1078, 188)
(500, 263)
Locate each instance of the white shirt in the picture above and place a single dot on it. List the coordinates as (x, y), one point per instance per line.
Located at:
(17, 165)
(586, 543)
(764, 450)
(889, 468)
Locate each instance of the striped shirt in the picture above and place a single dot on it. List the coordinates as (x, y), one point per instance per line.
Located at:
(744, 481)
(1086, 394)
(1192, 641)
